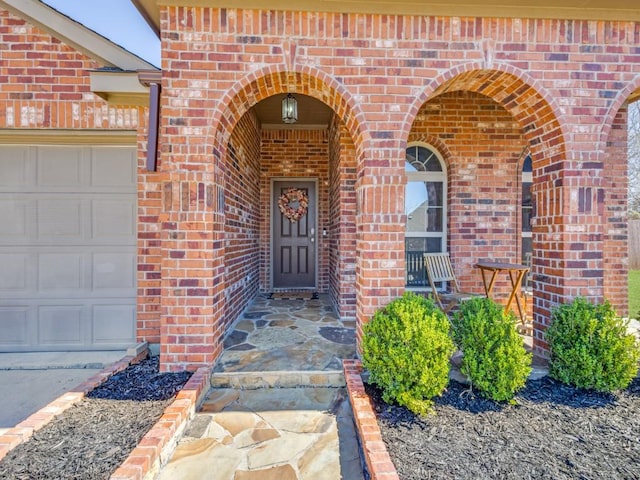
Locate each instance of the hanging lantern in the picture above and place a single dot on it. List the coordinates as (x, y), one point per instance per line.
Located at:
(289, 109)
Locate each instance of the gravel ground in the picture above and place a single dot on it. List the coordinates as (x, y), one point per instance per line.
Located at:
(554, 432)
(90, 440)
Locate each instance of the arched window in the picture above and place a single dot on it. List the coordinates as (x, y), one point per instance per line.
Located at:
(527, 207)
(425, 207)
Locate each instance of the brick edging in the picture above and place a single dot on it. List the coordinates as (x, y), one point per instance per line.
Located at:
(156, 447)
(376, 457)
(25, 429)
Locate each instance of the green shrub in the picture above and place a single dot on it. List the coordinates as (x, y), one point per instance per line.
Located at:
(590, 347)
(406, 347)
(494, 357)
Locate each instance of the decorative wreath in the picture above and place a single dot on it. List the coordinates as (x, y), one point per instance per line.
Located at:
(293, 204)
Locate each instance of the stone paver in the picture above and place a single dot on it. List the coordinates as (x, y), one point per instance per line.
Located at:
(287, 433)
(288, 335)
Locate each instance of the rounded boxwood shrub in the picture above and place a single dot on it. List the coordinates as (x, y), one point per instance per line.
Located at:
(591, 347)
(406, 347)
(493, 354)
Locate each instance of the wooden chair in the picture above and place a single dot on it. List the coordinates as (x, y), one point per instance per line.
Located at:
(440, 271)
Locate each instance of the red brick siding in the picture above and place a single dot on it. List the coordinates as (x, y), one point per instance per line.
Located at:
(149, 249)
(294, 153)
(613, 207)
(557, 79)
(243, 214)
(342, 214)
(45, 84)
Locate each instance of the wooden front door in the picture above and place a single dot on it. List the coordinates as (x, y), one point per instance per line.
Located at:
(294, 240)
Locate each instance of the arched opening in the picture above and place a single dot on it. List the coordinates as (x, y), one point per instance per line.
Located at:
(265, 162)
(486, 119)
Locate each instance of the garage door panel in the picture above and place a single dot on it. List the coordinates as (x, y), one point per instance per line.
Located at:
(60, 167)
(15, 216)
(15, 272)
(14, 325)
(113, 220)
(60, 325)
(60, 271)
(59, 220)
(119, 172)
(16, 168)
(113, 324)
(114, 272)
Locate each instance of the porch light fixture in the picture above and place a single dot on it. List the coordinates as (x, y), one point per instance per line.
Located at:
(289, 109)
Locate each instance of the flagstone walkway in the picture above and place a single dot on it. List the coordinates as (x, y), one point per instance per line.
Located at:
(278, 409)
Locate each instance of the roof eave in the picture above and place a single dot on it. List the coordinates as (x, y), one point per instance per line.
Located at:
(150, 12)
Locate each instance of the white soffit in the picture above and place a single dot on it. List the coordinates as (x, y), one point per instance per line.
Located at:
(119, 88)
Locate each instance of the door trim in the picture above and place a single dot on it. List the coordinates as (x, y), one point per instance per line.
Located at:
(272, 181)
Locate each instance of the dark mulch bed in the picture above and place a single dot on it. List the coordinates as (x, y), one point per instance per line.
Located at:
(554, 432)
(94, 437)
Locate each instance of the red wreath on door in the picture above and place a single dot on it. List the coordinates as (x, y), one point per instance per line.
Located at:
(293, 204)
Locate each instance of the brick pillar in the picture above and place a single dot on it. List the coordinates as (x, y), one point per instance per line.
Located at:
(192, 271)
(380, 225)
(342, 211)
(568, 237)
(614, 211)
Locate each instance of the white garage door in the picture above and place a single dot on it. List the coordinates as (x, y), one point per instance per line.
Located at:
(67, 247)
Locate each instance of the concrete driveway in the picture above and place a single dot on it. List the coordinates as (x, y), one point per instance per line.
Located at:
(30, 381)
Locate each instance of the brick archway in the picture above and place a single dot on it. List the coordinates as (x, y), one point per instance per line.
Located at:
(336, 205)
(541, 125)
(269, 81)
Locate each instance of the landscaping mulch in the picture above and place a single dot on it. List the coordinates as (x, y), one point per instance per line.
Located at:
(553, 432)
(93, 438)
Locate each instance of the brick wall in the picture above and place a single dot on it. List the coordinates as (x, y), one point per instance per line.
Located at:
(613, 209)
(342, 215)
(45, 84)
(243, 216)
(294, 153)
(561, 82)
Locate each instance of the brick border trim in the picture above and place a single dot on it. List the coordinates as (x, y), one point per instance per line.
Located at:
(25, 429)
(376, 458)
(157, 446)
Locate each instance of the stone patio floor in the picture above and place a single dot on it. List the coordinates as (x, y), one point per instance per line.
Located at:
(278, 406)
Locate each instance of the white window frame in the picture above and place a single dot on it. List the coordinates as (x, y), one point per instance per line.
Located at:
(431, 177)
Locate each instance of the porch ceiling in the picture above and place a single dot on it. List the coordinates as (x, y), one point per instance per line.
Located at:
(573, 9)
(311, 113)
